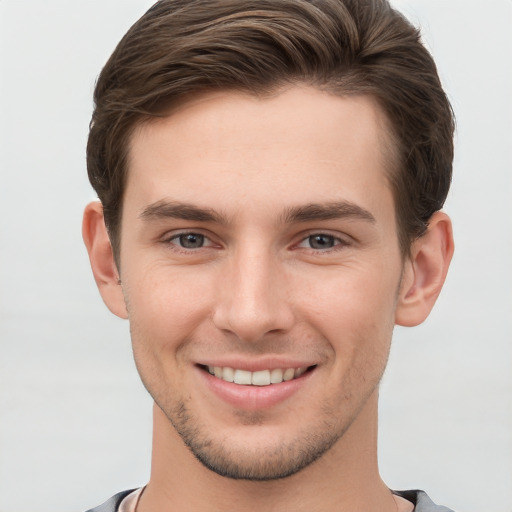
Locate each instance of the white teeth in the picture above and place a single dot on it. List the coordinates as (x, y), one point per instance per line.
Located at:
(259, 378)
(276, 376)
(300, 371)
(228, 374)
(242, 377)
(289, 374)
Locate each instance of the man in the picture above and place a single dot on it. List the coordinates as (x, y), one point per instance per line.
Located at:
(271, 176)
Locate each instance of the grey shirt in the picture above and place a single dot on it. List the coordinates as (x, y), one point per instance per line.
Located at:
(422, 503)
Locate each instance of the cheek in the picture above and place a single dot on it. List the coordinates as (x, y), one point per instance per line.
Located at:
(165, 297)
(354, 312)
(165, 309)
(365, 300)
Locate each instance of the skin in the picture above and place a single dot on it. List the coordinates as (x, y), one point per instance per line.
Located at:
(268, 281)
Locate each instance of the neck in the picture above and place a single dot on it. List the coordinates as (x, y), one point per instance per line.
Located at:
(345, 478)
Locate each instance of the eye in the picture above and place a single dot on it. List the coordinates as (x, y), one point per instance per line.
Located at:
(321, 241)
(190, 240)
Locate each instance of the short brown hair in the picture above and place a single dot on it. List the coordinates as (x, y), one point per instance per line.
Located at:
(346, 47)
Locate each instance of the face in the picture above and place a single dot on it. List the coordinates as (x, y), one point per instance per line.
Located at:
(260, 267)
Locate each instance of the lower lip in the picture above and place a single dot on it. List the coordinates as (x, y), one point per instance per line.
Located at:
(252, 398)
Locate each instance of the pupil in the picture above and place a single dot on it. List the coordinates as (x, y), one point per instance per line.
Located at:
(191, 240)
(321, 241)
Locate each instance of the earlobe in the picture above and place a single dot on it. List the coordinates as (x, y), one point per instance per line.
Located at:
(425, 272)
(102, 261)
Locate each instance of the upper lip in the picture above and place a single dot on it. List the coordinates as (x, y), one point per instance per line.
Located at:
(254, 365)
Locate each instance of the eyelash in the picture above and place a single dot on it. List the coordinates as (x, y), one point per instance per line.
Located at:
(337, 242)
(179, 247)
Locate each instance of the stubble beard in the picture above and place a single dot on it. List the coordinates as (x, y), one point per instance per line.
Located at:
(260, 464)
(272, 459)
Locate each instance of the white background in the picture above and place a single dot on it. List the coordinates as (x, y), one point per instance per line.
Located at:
(75, 422)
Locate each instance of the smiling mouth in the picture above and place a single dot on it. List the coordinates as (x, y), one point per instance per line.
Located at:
(258, 378)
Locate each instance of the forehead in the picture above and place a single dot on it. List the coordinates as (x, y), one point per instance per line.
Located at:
(300, 145)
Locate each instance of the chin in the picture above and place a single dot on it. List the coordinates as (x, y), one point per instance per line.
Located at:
(268, 458)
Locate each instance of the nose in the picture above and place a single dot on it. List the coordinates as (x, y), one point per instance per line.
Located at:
(253, 299)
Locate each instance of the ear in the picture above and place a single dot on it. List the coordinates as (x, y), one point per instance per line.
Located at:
(425, 272)
(102, 261)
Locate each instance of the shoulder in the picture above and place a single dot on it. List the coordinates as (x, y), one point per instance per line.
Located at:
(422, 503)
(112, 504)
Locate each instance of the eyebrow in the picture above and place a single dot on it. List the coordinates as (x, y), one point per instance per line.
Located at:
(327, 211)
(297, 214)
(176, 210)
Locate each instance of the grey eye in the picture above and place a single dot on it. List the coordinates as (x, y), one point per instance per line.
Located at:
(191, 240)
(321, 241)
